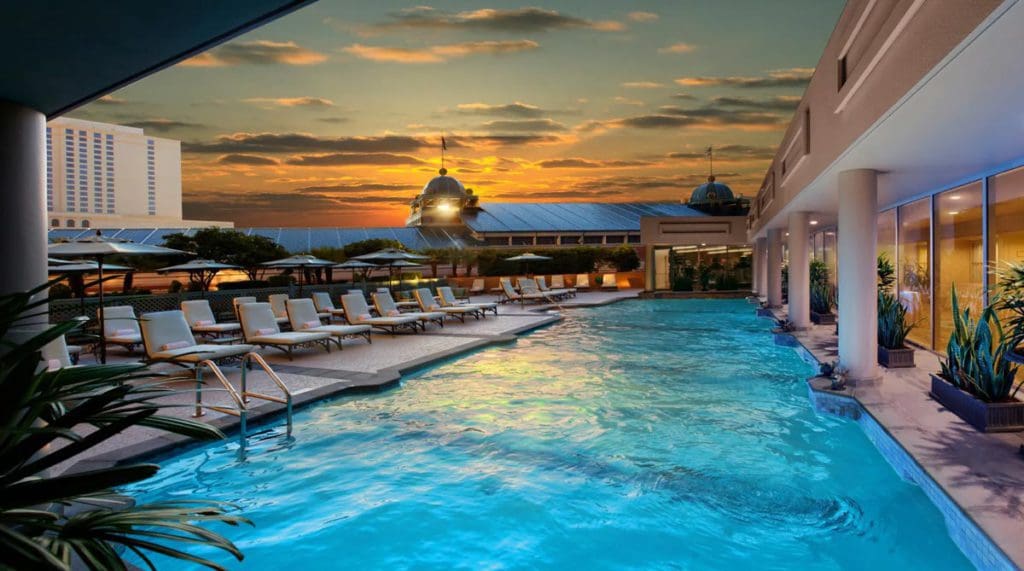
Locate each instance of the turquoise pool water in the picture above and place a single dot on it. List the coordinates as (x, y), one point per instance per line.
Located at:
(664, 434)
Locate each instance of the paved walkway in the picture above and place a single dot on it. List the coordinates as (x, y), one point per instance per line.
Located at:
(315, 374)
(982, 473)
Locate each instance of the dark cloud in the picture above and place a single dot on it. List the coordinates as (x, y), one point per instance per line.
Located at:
(670, 116)
(577, 163)
(345, 159)
(516, 109)
(684, 97)
(298, 207)
(509, 140)
(515, 20)
(528, 125)
(160, 125)
(729, 152)
(259, 52)
(334, 120)
(793, 77)
(110, 100)
(358, 187)
(305, 143)
(243, 159)
(567, 195)
(779, 103)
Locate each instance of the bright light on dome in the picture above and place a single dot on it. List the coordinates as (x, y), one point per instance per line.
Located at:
(446, 208)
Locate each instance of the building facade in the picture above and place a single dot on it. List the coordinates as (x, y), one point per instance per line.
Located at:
(100, 175)
(908, 143)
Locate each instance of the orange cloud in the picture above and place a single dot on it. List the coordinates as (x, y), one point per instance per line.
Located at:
(440, 53)
(677, 48)
(258, 52)
(318, 102)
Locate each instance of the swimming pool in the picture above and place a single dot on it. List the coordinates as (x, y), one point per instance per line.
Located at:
(646, 434)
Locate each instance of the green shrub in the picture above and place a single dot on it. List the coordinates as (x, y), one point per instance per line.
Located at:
(175, 287)
(280, 280)
(1011, 298)
(822, 298)
(975, 359)
(728, 282)
(60, 291)
(818, 271)
(893, 328)
(243, 284)
(886, 274)
(682, 283)
(622, 258)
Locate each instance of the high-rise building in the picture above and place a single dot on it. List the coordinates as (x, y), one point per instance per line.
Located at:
(100, 175)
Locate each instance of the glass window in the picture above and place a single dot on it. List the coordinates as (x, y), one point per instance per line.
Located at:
(913, 278)
(959, 259)
(831, 258)
(1005, 220)
(887, 235)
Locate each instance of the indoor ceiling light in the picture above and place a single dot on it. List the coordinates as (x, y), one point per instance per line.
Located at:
(814, 222)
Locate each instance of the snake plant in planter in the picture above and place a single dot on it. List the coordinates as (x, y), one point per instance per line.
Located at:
(892, 332)
(977, 381)
(822, 302)
(56, 521)
(1011, 301)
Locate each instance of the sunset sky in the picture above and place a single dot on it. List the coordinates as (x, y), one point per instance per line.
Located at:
(332, 116)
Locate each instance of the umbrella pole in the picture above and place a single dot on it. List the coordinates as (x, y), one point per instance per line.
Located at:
(103, 337)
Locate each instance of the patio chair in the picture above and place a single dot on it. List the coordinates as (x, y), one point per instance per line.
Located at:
(358, 313)
(121, 327)
(201, 320)
(386, 307)
(499, 289)
(609, 282)
(277, 305)
(512, 295)
(448, 299)
(477, 287)
(303, 316)
(542, 285)
(429, 304)
(57, 355)
(558, 282)
(324, 305)
(168, 339)
(259, 327)
(582, 281)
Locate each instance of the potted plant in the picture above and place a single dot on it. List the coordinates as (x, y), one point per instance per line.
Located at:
(892, 332)
(977, 381)
(822, 302)
(1011, 303)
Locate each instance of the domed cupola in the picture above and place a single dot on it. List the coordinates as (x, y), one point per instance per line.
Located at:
(444, 186)
(711, 192)
(440, 203)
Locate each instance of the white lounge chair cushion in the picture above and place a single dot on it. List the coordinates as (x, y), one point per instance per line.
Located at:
(426, 315)
(341, 330)
(133, 339)
(196, 353)
(310, 325)
(403, 320)
(288, 338)
(174, 345)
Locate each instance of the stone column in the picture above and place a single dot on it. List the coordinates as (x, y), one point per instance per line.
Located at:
(799, 271)
(757, 258)
(22, 198)
(773, 263)
(857, 247)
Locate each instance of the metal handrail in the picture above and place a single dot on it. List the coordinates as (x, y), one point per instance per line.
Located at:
(240, 411)
(286, 400)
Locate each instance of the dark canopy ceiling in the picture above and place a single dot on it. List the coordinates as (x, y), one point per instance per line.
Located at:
(59, 54)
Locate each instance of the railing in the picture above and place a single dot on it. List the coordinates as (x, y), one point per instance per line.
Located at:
(241, 398)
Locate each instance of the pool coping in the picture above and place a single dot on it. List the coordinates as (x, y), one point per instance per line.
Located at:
(981, 549)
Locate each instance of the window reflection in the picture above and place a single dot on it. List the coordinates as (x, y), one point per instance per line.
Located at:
(958, 255)
(914, 280)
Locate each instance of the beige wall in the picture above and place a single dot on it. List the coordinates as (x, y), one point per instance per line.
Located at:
(693, 230)
(889, 45)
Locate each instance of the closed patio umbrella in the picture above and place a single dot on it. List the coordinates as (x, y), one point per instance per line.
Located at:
(526, 258)
(98, 247)
(202, 271)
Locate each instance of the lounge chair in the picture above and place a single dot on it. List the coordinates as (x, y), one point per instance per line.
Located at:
(582, 281)
(240, 301)
(542, 285)
(500, 290)
(121, 327)
(259, 327)
(609, 282)
(429, 304)
(448, 299)
(168, 339)
(512, 295)
(277, 305)
(304, 318)
(57, 355)
(358, 313)
(324, 305)
(201, 320)
(477, 287)
(558, 282)
(386, 307)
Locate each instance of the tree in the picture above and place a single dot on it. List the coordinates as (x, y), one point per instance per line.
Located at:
(372, 245)
(623, 258)
(229, 247)
(52, 417)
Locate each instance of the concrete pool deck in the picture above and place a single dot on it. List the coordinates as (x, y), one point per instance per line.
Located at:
(315, 374)
(981, 473)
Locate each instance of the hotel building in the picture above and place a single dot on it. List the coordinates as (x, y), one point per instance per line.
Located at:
(909, 142)
(100, 175)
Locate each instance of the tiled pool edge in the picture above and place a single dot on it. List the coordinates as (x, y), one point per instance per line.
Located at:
(968, 536)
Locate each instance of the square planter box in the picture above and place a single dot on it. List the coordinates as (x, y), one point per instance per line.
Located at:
(896, 358)
(823, 318)
(986, 417)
